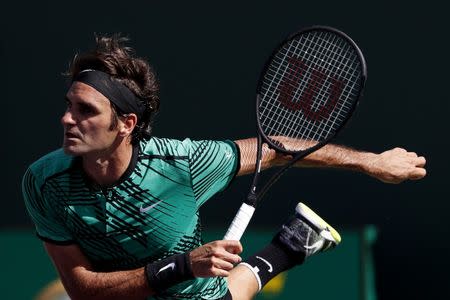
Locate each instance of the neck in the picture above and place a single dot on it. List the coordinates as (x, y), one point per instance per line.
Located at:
(106, 168)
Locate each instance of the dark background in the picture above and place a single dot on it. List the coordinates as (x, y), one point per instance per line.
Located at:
(208, 57)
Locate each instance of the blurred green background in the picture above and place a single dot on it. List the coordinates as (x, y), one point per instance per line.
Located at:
(208, 56)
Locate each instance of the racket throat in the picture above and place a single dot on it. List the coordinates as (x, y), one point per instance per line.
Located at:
(252, 198)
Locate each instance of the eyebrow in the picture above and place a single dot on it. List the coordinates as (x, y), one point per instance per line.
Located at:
(82, 103)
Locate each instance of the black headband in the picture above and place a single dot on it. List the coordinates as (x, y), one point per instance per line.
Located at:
(125, 100)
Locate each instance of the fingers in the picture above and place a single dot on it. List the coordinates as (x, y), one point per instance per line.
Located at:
(418, 161)
(414, 169)
(221, 264)
(215, 259)
(234, 247)
(417, 164)
(418, 173)
(397, 165)
(226, 250)
(421, 161)
(226, 255)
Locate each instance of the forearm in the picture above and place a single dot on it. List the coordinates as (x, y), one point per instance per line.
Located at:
(335, 156)
(327, 156)
(391, 166)
(85, 284)
(213, 259)
(82, 281)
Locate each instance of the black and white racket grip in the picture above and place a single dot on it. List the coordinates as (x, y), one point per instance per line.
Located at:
(240, 222)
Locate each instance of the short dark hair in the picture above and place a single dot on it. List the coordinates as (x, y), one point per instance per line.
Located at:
(119, 61)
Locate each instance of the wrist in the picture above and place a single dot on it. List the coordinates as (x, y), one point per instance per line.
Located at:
(168, 272)
(368, 163)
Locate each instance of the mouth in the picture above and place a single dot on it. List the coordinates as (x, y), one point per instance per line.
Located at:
(70, 135)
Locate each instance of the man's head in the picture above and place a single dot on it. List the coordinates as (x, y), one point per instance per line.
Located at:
(127, 101)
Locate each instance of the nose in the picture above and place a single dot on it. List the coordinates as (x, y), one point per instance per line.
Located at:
(67, 118)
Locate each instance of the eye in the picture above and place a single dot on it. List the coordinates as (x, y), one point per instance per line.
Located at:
(85, 109)
(68, 103)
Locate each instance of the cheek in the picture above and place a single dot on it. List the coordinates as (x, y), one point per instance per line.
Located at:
(96, 130)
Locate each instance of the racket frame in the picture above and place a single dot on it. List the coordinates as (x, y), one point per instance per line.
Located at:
(363, 79)
(245, 213)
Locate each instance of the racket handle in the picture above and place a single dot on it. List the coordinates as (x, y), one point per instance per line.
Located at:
(240, 222)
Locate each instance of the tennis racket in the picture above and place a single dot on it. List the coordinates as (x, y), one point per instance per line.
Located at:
(307, 91)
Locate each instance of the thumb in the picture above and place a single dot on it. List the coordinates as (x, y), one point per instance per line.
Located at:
(234, 247)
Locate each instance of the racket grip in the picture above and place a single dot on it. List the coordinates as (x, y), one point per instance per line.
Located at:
(240, 222)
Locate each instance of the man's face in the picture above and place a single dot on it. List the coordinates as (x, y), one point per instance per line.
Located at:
(87, 122)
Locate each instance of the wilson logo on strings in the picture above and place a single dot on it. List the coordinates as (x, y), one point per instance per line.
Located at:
(296, 74)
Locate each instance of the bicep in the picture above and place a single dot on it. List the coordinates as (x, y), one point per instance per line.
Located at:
(248, 150)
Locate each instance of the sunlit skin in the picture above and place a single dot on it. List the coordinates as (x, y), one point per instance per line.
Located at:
(106, 152)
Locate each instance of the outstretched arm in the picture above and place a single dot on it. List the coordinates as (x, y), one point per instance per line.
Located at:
(392, 166)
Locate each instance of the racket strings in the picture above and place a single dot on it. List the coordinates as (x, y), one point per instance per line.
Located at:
(315, 62)
(308, 89)
(321, 95)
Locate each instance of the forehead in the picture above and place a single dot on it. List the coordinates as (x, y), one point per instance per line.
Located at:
(81, 92)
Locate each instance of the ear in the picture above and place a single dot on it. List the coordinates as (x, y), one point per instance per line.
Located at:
(128, 123)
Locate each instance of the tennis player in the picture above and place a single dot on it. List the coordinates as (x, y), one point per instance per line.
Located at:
(118, 208)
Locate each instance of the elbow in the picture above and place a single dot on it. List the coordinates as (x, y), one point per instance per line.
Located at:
(81, 288)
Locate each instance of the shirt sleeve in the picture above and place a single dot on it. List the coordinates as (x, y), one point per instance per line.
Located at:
(213, 165)
(49, 223)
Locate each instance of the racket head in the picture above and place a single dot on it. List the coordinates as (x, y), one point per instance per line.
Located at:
(308, 89)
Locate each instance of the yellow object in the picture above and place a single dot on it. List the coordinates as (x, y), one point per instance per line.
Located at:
(276, 285)
(52, 291)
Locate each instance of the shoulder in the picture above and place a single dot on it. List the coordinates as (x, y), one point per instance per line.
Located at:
(156, 146)
(183, 148)
(49, 165)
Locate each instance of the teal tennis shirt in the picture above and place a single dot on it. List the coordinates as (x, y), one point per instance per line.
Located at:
(150, 214)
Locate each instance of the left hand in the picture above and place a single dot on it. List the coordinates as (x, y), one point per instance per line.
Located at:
(397, 165)
(215, 258)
